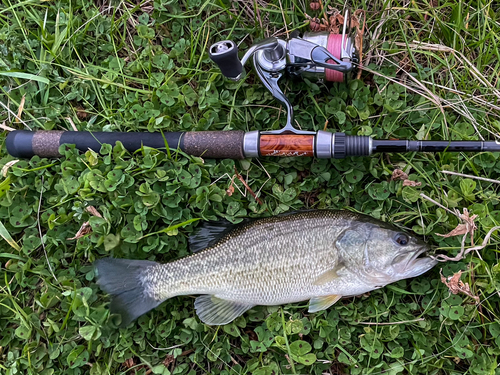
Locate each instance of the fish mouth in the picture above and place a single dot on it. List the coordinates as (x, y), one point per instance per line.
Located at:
(418, 264)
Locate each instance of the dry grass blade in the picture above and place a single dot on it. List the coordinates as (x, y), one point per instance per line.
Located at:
(376, 34)
(472, 177)
(5, 127)
(248, 187)
(464, 252)
(456, 103)
(73, 126)
(232, 185)
(21, 107)
(441, 48)
(15, 115)
(6, 167)
(358, 39)
(41, 235)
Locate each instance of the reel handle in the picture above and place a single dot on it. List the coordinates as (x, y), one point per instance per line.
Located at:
(225, 55)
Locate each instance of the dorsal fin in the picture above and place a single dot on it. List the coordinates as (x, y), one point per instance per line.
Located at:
(210, 232)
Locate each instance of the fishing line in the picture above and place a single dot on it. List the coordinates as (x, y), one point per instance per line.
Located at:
(334, 46)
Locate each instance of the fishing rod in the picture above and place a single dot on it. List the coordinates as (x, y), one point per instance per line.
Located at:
(326, 56)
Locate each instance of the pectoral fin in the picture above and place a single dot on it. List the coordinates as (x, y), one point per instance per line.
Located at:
(329, 275)
(322, 303)
(216, 311)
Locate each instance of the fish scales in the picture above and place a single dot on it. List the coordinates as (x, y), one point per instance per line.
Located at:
(273, 261)
(319, 256)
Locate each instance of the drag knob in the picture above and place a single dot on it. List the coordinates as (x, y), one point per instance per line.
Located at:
(225, 55)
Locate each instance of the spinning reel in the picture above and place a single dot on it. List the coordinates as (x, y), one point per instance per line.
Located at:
(323, 56)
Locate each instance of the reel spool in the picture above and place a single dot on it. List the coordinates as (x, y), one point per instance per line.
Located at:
(323, 56)
(341, 46)
(333, 44)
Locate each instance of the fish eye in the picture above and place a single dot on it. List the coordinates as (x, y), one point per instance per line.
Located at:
(401, 239)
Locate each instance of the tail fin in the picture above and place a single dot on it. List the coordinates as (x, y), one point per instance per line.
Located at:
(124, 280)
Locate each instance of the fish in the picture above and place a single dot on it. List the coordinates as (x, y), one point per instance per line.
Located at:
(318, 255)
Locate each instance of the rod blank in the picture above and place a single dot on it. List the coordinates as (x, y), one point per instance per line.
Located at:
(434, 146)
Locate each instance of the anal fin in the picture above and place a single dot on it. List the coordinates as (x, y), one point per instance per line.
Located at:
(322, 303)
(217, 311)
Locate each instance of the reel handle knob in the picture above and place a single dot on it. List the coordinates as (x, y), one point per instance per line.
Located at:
(225, 55)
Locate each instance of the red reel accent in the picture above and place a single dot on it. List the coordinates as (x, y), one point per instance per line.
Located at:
(334, 46)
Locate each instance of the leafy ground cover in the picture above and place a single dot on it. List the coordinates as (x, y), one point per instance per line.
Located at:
(432, 72)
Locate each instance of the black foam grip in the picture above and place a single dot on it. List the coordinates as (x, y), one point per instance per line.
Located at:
(20, 144)
(25, 144)
(225, 55)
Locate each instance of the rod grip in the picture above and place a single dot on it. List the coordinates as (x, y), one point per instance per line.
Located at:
(215, 144)
(26, 144)
(208, 144)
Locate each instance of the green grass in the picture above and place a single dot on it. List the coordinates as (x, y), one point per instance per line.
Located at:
(143, 66)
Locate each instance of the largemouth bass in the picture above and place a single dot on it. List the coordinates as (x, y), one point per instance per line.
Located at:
(319, 256)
